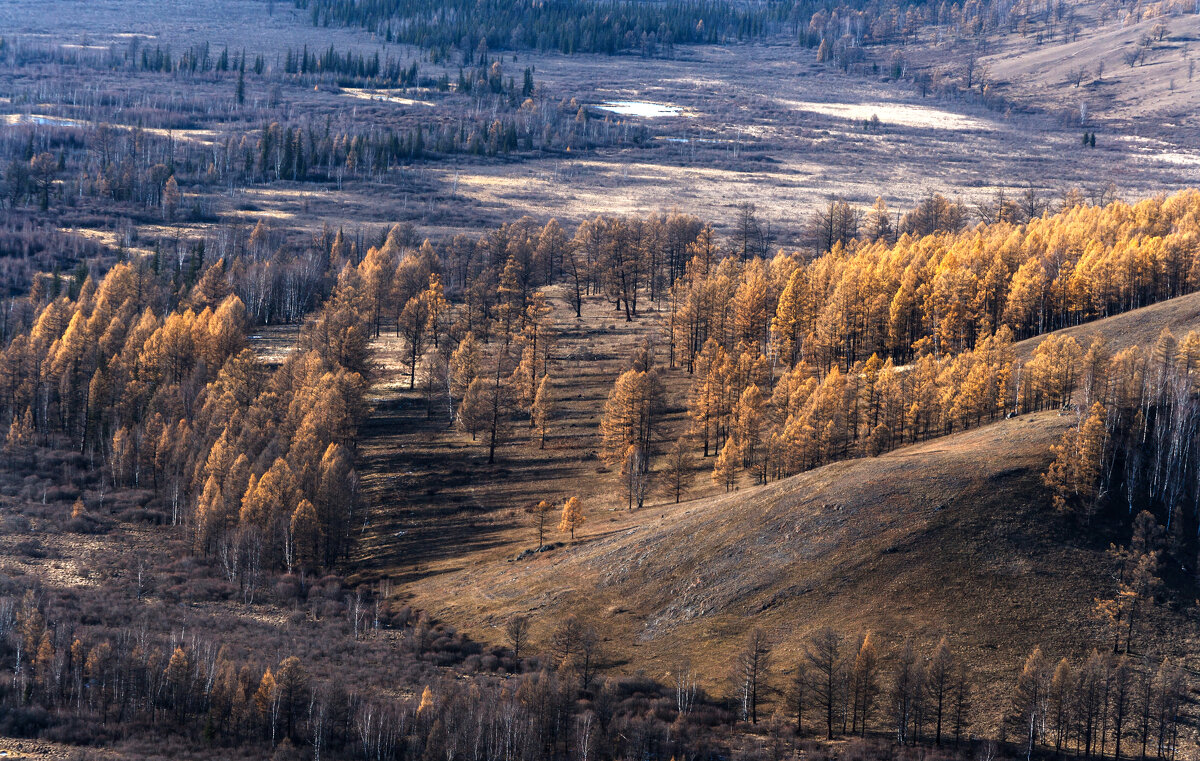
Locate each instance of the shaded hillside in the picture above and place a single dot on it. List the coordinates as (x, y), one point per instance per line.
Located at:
(953, 536)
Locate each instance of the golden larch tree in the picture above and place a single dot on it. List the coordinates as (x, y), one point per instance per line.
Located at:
(572, 516)
(726, 469)
(543, 409)
(1074, 476)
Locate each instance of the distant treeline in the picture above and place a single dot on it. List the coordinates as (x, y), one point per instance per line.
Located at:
(55, 165)
(351, 64)
(568, 26)
(596, 26)
(350, 67)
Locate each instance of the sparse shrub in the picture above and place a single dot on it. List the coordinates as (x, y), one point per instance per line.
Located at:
(14, 524)
(88, 524)
(142, 515)
(25, 721)
(287, 589)
(30, 548)
(330, 587)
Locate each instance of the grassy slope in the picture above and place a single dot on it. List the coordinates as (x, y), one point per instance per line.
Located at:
(1139, 327)
(434, 501)
(1139, 110)
(1158, 87)
(952, 536)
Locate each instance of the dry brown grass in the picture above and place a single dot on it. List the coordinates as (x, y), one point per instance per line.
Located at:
(435, 503)
(954, 536)
(799, 139)
(1158, 94)
(1139, 327)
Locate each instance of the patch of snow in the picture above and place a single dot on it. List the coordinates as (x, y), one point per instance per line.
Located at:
(641, 108)
(384, 96)
(1179, 159)
(894, 113)
(45, 121)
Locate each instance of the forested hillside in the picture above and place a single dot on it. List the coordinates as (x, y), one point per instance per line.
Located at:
(781, 364)
(589, 380)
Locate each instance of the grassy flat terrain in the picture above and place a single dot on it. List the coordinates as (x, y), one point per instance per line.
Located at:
(761, 123)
